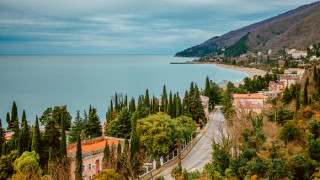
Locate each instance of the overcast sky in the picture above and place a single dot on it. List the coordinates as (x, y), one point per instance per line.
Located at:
(125, 26)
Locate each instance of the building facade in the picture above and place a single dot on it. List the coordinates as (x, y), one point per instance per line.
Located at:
(246, 103)
(92, 155)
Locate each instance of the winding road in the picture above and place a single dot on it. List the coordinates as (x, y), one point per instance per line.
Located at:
(201, 152)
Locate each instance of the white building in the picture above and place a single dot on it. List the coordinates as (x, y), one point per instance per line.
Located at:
(299, 54)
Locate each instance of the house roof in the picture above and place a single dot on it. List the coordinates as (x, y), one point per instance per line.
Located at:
(300, 52)
(93, 145)
(204, 98)
(276, 83)
(288, 78)
(248, 96)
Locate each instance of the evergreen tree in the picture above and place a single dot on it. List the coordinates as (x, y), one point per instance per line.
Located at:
(8, 121)
(196, 108)
(297, 99)
(94, 126)
(77, 127)
(121, 126)
(4, 149)
(307, 81)
(207, 88)
(186, 104)
(51, 156)
(24, 118)
(147, 99)
(78, 171)
(36, 138)
(106, 156)
(170, 107)
(174, 106)
(305, 95)
(178, 106)
(119, 156)
(14, 120)
(26, 141)
(51, 136)
(2, 136)
(20, 148)
(63, 144)
(164, 100)
(315, 74)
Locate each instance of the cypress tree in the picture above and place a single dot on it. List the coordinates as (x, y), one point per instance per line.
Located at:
(118, 156)
(207, 87)
(307, 81)
(24, 118)
(169, 111)
(305, 95)
(36, 137)
(116, 102)
(185, 104)
(51, 157)
(78, 171)
(174, 106)
(14, 120)
(315, 74)
(20, 148)
(164, 100)
(2, 136)
(147, 99)
(4, 149)
(26, 144)
(106, 156)
(297, 99)
(63, 144)
(8, 121)
(178, 106)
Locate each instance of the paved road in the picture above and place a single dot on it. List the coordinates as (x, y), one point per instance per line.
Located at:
(201, 153)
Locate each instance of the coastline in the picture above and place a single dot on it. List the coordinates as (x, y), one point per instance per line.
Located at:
(251, 72)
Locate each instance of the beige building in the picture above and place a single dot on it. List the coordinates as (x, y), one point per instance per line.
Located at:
(92, 154)
(289, 80)
(277, 86)
(205, 104)
(293, 71)
(246, 103)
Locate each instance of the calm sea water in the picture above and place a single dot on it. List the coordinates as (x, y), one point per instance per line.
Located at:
(37, 82)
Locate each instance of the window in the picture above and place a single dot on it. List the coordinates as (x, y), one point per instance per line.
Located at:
(83, 168)
(89, 167)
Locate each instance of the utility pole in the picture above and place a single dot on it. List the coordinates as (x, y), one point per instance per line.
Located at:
(179, 149)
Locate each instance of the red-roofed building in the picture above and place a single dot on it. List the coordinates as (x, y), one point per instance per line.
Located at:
(92, 154)
(245, 103)
(299, 54)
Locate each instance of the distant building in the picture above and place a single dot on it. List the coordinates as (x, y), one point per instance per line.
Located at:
(299, 54)
(92, 154)
(289, 80)
(277, 86)
(246, 103)
(292, 71)
(205, 104)
(270, 94)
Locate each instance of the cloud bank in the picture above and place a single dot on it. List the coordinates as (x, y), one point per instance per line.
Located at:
(124, 26)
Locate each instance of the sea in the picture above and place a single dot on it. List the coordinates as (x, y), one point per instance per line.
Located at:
(36, 82)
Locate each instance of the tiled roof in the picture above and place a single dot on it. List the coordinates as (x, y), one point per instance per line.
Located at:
(93, 145)
(300, 52)
(248, 96)
(276, 83)
(204, 98)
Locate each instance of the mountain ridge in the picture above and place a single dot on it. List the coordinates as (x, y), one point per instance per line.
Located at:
(215, 44)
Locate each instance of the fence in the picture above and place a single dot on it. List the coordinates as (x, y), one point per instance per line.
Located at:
(167, 158)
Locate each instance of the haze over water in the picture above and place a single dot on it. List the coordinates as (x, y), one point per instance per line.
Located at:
(37, 82)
